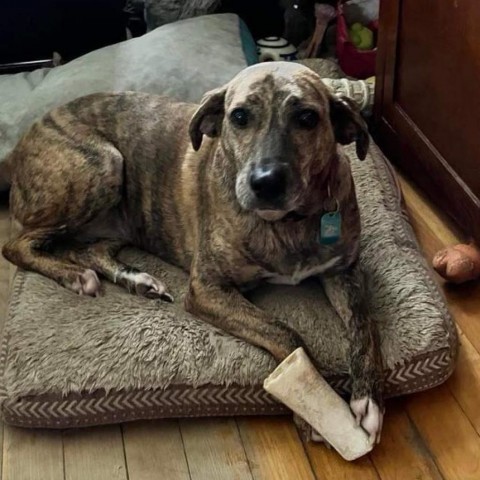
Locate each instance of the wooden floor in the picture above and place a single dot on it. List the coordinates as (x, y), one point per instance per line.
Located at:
(432, 435)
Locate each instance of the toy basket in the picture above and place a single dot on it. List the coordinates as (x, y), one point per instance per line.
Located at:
(354, 62)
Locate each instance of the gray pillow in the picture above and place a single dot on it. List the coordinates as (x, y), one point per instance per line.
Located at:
(183, 60)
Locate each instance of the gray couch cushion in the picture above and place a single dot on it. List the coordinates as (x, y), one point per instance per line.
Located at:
(183, 59)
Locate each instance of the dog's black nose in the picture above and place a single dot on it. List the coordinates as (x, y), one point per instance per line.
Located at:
(269, 180)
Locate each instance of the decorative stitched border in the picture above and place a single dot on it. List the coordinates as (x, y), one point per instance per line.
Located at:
(85, 409)
(81, 410)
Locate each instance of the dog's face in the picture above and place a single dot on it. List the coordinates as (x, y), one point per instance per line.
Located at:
(279, 126)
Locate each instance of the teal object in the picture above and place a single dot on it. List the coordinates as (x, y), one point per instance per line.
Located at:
(330, 228)
(248, 44)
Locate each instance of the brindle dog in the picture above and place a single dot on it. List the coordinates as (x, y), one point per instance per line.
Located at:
(232, 191)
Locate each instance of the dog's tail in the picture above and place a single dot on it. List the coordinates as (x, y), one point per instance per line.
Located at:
(6, 172)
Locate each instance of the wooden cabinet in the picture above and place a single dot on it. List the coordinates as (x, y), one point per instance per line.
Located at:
(427, 112)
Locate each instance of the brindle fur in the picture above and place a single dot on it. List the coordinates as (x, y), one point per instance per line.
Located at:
(108, 170)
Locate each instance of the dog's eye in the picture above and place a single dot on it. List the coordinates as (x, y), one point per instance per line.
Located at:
(307, 119)
(240, 117)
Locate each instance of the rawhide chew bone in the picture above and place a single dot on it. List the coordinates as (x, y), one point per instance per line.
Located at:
(297, 384)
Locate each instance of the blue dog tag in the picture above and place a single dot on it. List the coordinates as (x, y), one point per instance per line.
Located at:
(330, 228)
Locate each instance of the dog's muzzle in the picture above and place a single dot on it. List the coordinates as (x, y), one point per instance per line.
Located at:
(268, 181)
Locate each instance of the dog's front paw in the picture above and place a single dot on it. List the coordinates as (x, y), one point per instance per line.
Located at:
(369, 415)
(150, 287)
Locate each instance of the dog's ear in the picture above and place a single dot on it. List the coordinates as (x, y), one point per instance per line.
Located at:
(348, 124)
(207, 120)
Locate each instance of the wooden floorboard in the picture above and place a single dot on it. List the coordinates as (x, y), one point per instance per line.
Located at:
(465, 381)
(32, 455)
(446, 417)
(154, 450)
(94, 454)
(326, 464)
(447, 432)
(274, 449)
(434, 223)
(402, 453)
(214, 450)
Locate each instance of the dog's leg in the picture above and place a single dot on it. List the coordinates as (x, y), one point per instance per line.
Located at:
(346, 292)
(27, 251)
(100, 256)
(226, 308)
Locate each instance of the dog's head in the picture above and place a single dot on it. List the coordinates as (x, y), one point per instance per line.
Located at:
(279, 126)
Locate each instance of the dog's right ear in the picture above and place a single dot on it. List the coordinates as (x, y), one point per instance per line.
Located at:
(207, 120)
(348, 124)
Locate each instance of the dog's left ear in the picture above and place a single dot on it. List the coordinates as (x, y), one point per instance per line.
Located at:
(348, 124)
(207, 120)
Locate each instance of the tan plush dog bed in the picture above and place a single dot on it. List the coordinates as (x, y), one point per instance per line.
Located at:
(74, 361)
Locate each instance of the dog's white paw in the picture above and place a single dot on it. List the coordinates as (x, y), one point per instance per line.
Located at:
(87, 283)
(369, 415)
(150, 287)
